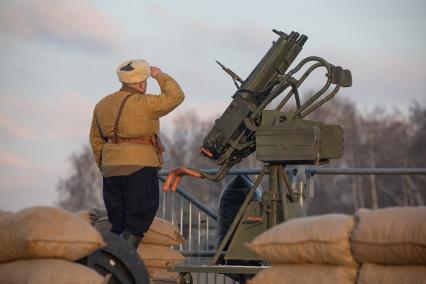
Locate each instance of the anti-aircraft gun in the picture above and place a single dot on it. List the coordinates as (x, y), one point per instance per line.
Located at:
(279, 138)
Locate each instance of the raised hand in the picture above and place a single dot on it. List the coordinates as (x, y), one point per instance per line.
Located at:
(155, 71)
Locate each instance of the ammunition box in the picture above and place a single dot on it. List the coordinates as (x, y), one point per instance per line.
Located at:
(297, 141)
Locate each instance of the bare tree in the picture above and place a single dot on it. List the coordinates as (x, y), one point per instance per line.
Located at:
(418, 151)
(375, 139)
(82, 188)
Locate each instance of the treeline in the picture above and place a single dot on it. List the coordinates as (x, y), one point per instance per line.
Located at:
(376, 139)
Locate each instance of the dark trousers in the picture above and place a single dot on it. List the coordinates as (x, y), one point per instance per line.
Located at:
(132, 201)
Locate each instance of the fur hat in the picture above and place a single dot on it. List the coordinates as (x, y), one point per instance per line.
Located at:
(133, 71)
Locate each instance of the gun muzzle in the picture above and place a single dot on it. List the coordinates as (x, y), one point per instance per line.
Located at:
(301, 41)
(293, 36)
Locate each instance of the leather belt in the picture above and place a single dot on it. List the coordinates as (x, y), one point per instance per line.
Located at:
(115, 140)
(154, 141)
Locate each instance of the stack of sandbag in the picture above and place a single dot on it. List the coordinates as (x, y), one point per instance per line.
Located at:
(156, 247)
(307, 250)
(391, 245)
(39, 245)
(158, 259)
(157, 252)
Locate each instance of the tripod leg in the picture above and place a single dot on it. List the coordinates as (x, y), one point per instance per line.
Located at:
(282, 173)
(292, 208)
(237, 218)
(273, 194)
(283, 195)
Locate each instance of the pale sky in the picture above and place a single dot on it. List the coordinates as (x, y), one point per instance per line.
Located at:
(59, 58)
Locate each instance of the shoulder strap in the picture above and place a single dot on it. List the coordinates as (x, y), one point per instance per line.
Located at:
(120, 110)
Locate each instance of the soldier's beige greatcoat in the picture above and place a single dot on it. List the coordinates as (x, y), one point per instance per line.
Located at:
(139, 119)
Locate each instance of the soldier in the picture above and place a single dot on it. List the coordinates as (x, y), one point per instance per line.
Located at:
(126, 145)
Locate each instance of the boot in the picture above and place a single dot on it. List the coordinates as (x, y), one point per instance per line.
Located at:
(131, 239)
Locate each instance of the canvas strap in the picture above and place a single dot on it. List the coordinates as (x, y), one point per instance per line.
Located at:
(117, 120)
(154, 140)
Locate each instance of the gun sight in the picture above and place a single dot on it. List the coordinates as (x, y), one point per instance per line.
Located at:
(280, 33)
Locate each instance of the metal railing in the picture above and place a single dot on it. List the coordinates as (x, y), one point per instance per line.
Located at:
(198, 223)
(310, 173)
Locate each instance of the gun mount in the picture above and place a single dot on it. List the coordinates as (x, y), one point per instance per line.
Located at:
(279, 138)
(246, 126)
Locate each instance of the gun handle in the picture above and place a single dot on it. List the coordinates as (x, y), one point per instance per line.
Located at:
(176, 175)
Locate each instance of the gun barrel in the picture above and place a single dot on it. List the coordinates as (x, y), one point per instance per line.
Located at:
(280, 33)
(301, 41)
(231, 125)
(293, 36)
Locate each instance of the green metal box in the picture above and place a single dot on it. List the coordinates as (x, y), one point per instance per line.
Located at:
(297, 141)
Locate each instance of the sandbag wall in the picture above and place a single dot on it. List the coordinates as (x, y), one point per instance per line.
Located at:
(157, 253)
(155, 249)
(390, 245)
(308, 250)
(375, 246)
(39, 245)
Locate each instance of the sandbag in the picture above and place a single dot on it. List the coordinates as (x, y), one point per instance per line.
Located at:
(44, 232)
(231, 199)
(391, 274)
(306, 274)
(85, 215)
(43, 271)
(390, 236)
(159, 256)
(92, 215)
(161, 274)
(161, 232)
(318, 239)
